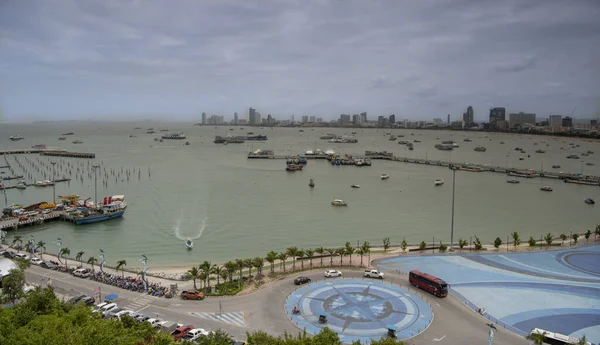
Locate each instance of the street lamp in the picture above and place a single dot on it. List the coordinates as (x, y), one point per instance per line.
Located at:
(95, 185)
(491, 333)
(53, 183)
(452, 225)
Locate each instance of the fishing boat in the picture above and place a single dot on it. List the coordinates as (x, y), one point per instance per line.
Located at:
(540, 151)
(21, 185)
(294, 167)
(174, 136)
(556, 166)
(311, 184)
(62, 138)
(385, 176)
(480, 149)
(187, 143)
(339, 202)
(16, 137)
(39, 146)
(68, 133)
(355, 186)
(589, 201)
(77, 142)
(438, 182)
(573, 157)
(546, 189)
(108, 212)
(189, 244)
(44, 183)
(514, 180)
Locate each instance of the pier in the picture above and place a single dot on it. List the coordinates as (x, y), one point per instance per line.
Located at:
(16, 223)
(47, 152)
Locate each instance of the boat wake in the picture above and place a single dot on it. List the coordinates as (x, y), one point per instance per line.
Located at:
(184, 237)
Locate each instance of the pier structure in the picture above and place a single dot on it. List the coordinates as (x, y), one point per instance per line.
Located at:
(15, 223)
(49, 152)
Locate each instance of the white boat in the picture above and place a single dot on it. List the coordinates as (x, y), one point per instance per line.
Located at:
(438, 182)
(311, 184)
(119, 200)
(339, 202)
(21, 185)
(355, 186)
(329, 152)
(189, 244)
(44, 183)
(513, 181)
(385, 176)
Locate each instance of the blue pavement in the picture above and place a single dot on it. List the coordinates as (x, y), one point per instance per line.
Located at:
(555, 290)
(359, 309)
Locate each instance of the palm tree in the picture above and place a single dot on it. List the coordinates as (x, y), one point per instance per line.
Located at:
(203, 276)
(301, 254)
(224, 273)
(366, 247)
(563, 237)
(28, 246)
(582, 341)
(516, 239)
(207, 267)
(292, 252)
(216, 270)
(538, 339)
(78, 257)
(65, 252)
(239, 265)
(282, 257)
(258, 263)
(330, 252)
(320, 251)
(248, 265)
(309, 254)
(548, 238)
(271, 257)
(360, 252)
(121, 265)
(91, 261)
(41, 244)
(230, 266)
(193, 274)
(340, 252)
(349, 250)
(18, 239)
(596, 233)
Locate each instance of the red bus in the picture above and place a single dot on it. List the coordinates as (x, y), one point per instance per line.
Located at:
(429, 283)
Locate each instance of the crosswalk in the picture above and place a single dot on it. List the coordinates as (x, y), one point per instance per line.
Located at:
(140, 302)
(235, 318)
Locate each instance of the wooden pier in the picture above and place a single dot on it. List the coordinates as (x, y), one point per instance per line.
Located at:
(47, 152)
(15, 223)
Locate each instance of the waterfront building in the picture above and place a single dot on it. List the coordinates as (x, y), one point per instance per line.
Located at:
(468, 117)
(567, 122)
(344, 119)
(242, 122)
(356, 119)
(319, 119)
(312, 119)
(593, 124)
(392, 119)
(252, 116)
(382, 121)
(304, 119)
(235, 118)
(520, 119)
(497, 114)
(203, 118)
(555, 121)
(363, 116)
(448, 121)
(437, 121)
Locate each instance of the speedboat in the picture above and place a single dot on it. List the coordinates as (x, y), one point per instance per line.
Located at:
(513, 181)
(21, 185)
(546, 189)
(189, 244)
(385, 176)
(339, 202)
(556, 166)
(589, 201)
(438, 182)
(311, 184)
(355, 186)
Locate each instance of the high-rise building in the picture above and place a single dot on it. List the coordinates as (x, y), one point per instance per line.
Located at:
(594, 124)
(520, 119)
(344, 119)
(356, 119)
(382, 121)
(235, 118)
(319, 119)
(363, 116)
(437, 121)
(555, 121)
(567, 122)
(270, 120)
(203, 118)
(497, 114)
(392, 119)
(468, 117)
(304, 118)
(448, 121)
(292, 118)
(252, 116)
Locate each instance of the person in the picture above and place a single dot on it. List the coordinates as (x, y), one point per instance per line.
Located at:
(296, 310)
(49, 282)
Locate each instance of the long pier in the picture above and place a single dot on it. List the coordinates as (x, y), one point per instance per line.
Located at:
(16, 223)
(46, 152)
(456, 166)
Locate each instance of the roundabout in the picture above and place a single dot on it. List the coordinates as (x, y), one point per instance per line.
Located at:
(359, 309)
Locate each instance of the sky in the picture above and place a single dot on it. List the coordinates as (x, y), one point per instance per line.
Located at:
(174, 59)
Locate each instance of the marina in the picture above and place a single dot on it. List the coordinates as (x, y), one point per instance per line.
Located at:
(49, 152)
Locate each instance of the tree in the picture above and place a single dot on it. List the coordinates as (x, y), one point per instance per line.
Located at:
(13, 283)
(403, 245)
(443, 247)
(78, 256)
(17, 239)
(331, 253)
(340, 252)
(587, 235)
(248, 264)
(217, 270)
(309, 255)
(532, 242)
(422, 246)
(477, 242)
(203, 276)
(360, 252)
(258, 263)
(597, 233)
(239, 265)
(301, 255)
(91, 261)
(563, 237)
(582, 341)
(282, 257)
(230, 266)
(224, 274)
(462, 243)
(193, 274)
(121, 265)
(41, 244)
(538, 339)
(497, 243)
(65, 252)
(320, 251)
(516, 239)
(271, 257)
(292, 252)
(575, 237)
(349, 250)
(207, 267)
(386, 244)
(548, 238)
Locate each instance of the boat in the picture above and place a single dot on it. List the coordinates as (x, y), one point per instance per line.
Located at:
(502, 142)
(385, 176)
(39, 146)
(21, 185)
(540, 151)
(355, 186)
(44, 183)
(62, 138)
(468, 139)
(69, 133)
(16, 137)
(132, 136)
(573, 157)
(108, 212)
(189, 244)
(311, 184)
(589, 201)
(546, 189)
(514, 180)
(556, 166)
(589, 163)
(257, 137)
(294, 167)
(77, 142)
(150, 132)
(118, 200)
(392, 138)
(187, 143)
(438, 182)
(417, 141)
(583, 182)
(174, 136)
(522, 174)
(480, 149)
(339, 202)
(343, 141)
(444, 147)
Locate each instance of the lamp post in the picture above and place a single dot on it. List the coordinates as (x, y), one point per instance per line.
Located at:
(95, 185)
(452, 225)
(53, 183)
(491, 333)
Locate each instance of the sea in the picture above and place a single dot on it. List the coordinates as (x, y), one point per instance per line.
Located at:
(234, 207)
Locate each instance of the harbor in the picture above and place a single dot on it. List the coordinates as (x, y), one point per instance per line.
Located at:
(49, 152)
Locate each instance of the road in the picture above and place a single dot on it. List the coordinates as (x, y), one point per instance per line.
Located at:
(453, 323)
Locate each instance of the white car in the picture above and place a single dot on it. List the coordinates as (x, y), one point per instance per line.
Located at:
(332, 273)
(374, 274)
(36, 261)
(194, 334)
(122, 313)
(154, 322)
(106, 308)
(22, 256)
(82, 273)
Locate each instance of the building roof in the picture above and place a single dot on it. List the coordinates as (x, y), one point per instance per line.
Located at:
(5, 266)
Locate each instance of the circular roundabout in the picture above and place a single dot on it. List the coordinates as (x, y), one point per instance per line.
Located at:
(583, 261)
(359, 309)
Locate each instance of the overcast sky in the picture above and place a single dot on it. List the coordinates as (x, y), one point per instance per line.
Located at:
(67, 59)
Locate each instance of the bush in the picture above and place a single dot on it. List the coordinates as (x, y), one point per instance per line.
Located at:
(477, 242)
(532, 242)
(443, 247)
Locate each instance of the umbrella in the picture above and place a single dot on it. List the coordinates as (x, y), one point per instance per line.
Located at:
(111, 297)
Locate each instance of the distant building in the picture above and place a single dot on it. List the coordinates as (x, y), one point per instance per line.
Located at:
(392, 119)
(235, 118)
(216, 120)
(203, 118)
(319, 119)
(270, 120)
(292, 118)
(253, 117)
(363, 116)
(567, 122)
(382, 121)
(555, 121)
(468, 117)
(497, 114)
(304, 118)
(448, 121)
(344, 119)
(437, 121)
(312, 119)
(242, 122)
(516, 120)
(356, 119)
(594, 124)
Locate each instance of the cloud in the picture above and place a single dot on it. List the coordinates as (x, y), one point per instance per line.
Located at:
(83, 58)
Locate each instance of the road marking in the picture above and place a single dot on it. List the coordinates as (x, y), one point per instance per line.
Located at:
(233, 318)
(439, 339)
(436, 303)
(140, 302)
(138, 311)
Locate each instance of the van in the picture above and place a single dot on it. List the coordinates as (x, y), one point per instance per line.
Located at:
(82, 273)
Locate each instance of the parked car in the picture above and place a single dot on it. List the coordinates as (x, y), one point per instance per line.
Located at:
(141, 318)
(87, 300)
(332, 273)
(106, 307)
(153, 322)
(75, 299)
(374, 274)
(180, 332)
(192, 294)
(9, 255)
(36, 261)
(301, 280)
(169, 326)
(194, 334)
(48, 265)
(82, 273)
(122, 313)
(21, 256)
(112, 312)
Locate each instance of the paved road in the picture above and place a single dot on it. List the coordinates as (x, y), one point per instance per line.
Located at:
(453, 323)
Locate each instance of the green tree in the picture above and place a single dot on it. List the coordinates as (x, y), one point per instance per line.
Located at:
(217, 270)
(516, 239)
(218, 337)
(19, 240)
(78, 256)
(349, 250)
(13, 283)
(386, 244)
(301, 255)
(532, 242)
(462, 243)
(224, 274)
(331, 253)
(310, 253)
(271, 257)
(563, 237)
(403, 245)
(292, 252)
(340, 252)
(231, 267)
(575, 237)
(41, 244)
(538, 339)
(366, 247)
(477, 242)
(497, 243)
(587, 235)
(258, 263)
(207, 267)
(443, 247)
(65, 252)
(282, 257)
(548, 238)
(596, 232)
(320, 251)
(582, 341)
(360, 252)
(92, 261)
(422, 246)
(121, 265)
(249, 265)
(193, 274)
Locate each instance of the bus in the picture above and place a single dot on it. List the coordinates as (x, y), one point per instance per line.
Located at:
(429, 283)
(552, 338)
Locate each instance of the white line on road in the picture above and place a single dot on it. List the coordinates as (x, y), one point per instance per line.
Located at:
(439, 339)
(137, 311)
(437, 304)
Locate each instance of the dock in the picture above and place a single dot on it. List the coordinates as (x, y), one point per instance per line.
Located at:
(15, 223)
(47, 152)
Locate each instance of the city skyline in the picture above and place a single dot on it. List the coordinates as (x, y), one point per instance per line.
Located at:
(112, 59)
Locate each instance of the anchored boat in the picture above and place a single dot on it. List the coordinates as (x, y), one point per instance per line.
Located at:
(438, 182)
(189, 244)
(385, 176)
(339, 202)
(311, 184)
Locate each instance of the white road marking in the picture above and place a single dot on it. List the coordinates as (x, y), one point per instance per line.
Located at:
(437, 304)
(439, 339)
